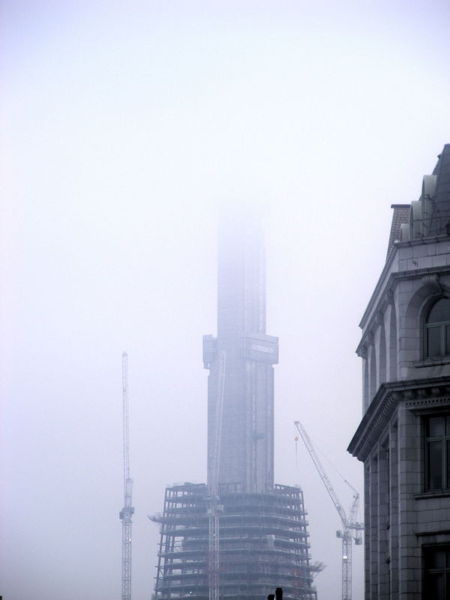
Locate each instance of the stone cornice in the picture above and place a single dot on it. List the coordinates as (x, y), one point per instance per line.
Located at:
(418, 394)
(388, 264)
(378, 286)
(385, 298)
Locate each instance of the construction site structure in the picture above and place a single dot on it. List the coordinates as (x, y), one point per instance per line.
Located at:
(264, 543)
(240, 535)
(127, 511)
(351, 529)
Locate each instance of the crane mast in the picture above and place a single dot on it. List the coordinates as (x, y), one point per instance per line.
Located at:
(350, 528)
(215, 508)
(127, 511)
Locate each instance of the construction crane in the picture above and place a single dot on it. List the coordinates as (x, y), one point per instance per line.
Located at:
(350, 528)
(215, 508)
(127, 511)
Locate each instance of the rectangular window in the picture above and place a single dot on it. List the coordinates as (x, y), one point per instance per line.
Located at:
(437, 452)
(434, 341)
(447, 339)
(436, 580)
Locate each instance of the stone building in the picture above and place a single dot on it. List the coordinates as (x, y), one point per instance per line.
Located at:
(404, 435)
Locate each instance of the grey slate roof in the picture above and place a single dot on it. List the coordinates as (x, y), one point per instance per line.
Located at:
(440, 220)
(430, 215)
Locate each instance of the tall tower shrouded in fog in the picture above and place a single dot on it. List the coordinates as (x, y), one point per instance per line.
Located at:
(245, 354)
(240, 536)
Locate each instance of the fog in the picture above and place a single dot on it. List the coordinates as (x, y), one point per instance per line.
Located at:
(125, 127)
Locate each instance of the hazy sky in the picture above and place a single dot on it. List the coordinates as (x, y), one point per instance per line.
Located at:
(124, 125)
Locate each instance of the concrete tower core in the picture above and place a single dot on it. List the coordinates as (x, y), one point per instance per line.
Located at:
(245, 354)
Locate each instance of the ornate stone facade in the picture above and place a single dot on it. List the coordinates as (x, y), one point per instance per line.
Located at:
(404, 436)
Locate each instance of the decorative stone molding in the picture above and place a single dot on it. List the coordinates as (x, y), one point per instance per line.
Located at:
(362, 351)
(417, 394)
(381, 296)
(434, 281)
(378, 318)
(425, 403)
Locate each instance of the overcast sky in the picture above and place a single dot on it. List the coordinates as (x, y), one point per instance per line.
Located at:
(124, 125)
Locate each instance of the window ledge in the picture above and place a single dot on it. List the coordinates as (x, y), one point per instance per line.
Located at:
(433, 494)
(432, 362)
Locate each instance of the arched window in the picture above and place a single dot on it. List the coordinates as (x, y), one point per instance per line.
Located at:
(437, 329)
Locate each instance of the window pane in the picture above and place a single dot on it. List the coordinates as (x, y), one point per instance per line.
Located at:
(434, 341)
(447, 482)
(440, 311)
(434, 587)
(435, 465)
(435, 559)
(436, 426)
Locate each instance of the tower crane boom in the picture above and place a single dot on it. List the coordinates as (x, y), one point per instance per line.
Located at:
(326, 482)
(127, 511)
(349, 524)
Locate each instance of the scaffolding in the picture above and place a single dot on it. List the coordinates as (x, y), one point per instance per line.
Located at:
(264, 544)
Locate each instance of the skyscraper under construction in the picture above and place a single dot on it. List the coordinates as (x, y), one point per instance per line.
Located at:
(241, 535)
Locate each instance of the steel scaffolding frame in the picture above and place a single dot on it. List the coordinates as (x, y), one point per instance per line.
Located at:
(264, 544)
